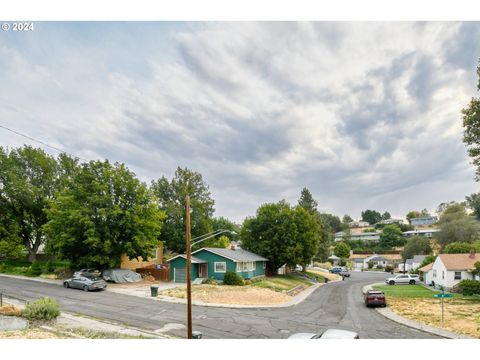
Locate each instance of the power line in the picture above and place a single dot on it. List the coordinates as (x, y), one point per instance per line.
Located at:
(41, 142)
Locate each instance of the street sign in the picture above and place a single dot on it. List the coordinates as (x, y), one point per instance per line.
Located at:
(443, 295)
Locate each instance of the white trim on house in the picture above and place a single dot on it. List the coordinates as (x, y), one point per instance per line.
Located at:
(218, 263)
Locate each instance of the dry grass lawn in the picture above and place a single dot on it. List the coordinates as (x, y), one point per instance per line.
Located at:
(327, 275)
(10, 310)
(246, 295)
(461, 316)
(29, 334)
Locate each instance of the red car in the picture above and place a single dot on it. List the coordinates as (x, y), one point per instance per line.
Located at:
(375, 298)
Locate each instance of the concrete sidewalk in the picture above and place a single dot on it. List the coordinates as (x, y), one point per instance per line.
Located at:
(69, 320)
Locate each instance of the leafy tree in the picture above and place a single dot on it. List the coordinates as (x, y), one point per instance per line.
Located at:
(386, 215)
(347, 219)
(307, 201)
(282, 234)
(391, 236)
(416, 245)
(224, 240)
(473, 202)
(412, 215)
(428, 260)
(330, 222)
(471, 127)
(342, 250)
(171, 197)
(460, 248)
(28, 180)
(371, 216)
(457, 226)
(104, 212)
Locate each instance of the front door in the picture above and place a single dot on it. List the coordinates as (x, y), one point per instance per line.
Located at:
(203, 270)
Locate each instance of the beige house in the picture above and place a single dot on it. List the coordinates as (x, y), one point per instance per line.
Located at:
(126, 263)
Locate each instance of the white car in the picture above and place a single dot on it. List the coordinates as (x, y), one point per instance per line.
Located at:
(403, 279)
(327, 334)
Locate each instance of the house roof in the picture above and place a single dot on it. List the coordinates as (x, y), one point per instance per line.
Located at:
(334, 257)
(193, 259)
(459, 261)
(418, 258)
(378, 258)
(238, 255)
(426, 268)
(409, 261)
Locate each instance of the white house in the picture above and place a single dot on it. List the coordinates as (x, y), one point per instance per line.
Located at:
(428, 232)
(362, 263)
(449, 269)
(423, 221)
(366, 236)
(358, 224)
(390, 221)
(413, 263)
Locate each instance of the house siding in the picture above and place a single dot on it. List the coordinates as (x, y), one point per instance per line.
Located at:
(182, 263)
(212, 258)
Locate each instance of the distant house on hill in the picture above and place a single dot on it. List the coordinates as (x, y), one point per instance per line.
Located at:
(427, 232)
(390, 221)
(367, 236)
(423, 221)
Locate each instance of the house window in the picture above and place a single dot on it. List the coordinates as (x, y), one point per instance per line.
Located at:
(220, 267)
(245, 266)
(254, 265)
(434, 273)
(264, 265)
(458, 275)
(443, 274)
(239, 267)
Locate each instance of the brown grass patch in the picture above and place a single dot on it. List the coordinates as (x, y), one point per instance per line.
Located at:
(10, 310)
(327, 275)
(223, 294)
(29, 334)
(461, 316)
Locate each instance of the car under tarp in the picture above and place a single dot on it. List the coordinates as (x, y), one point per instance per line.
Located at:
(121, 275)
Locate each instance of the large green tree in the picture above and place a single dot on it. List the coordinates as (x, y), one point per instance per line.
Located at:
(471, 128)
(307, 201)
(415, 245)
(386, 215)
(29, 178)
(391, 236)
(473, 202)
(342, 250)
(282, 234)
(371, 216)
(457, 226)
(104, 212)
(171, 197)
(461, 248)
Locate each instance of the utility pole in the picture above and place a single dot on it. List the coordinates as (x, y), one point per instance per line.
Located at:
(189, 275)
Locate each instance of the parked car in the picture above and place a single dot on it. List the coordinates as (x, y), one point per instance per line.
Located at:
(403, 279)
(327, 334)
(335, 269)
(86, 283)
(374, 298)
(87, 272)
(344, 272)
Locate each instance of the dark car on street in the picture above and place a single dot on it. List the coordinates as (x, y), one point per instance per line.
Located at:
(86, 283)
(375, 298)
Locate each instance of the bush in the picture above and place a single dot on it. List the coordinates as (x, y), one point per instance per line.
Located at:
(41, 309)
(35, 269)
(210, 281)
(370, 264)
(388, 268)
(49, 267)
(63, 272)
(469, 287)
(232, 278)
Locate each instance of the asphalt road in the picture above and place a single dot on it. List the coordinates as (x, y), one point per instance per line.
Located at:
(333, 305)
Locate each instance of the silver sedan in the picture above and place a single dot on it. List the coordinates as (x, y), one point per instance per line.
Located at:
(86, 283)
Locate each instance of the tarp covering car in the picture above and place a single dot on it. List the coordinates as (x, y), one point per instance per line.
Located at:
(121, 275)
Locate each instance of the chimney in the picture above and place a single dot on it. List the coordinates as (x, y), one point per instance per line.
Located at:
(472, 254)
(232, 246)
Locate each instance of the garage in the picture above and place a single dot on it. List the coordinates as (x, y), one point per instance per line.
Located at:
(180, 275)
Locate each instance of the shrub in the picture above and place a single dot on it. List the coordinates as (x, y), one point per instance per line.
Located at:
(63, 272)
(232, 278)
(370, 264)
(49, 267)
(469, 287)
(41, 309)
(248, 282)
(388, 268)
(35, 269)
(210, 281)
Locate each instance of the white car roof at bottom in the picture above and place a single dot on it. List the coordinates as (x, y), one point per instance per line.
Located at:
(327, 334)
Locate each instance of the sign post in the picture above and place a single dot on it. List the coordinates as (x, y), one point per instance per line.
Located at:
(443, 296)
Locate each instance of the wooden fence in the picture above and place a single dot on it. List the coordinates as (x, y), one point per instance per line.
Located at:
(159, 274)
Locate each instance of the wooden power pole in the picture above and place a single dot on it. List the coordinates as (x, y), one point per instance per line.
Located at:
(189, 274)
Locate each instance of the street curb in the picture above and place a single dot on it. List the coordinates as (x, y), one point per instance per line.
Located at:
(389, 314)
(122, 329)
(37, 279)
(296, 300)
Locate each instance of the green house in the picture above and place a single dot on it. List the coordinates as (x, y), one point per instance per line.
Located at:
(215, 262)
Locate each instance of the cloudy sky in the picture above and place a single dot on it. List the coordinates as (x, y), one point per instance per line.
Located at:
(366, 115)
